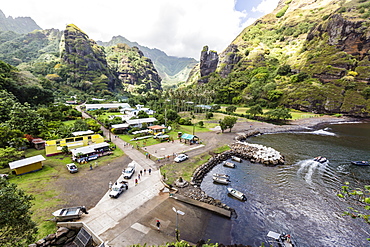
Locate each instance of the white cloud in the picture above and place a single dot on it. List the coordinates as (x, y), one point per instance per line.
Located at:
(266, 6)
(178, 27)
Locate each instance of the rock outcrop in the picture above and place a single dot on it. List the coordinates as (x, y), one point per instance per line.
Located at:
(85, 60)
(208, 64)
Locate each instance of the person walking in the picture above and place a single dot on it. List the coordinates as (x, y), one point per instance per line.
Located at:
(158, 223)
(150, 171)
(135, 181)
(141, 172)
(144, 171)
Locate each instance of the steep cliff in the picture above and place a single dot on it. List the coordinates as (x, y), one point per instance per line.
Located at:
(208, 63)
(85, 61)
(135, 71)
(310, 55)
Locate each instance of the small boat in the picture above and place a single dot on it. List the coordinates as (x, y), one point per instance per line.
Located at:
(72, 213)
(229, 164)
(222, 175)
(237, 159)
(360, 163)
(320, 159)
(220, 180)
(237, 194)
(283, 240)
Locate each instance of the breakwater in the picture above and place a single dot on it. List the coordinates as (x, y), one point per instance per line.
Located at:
(254, 152)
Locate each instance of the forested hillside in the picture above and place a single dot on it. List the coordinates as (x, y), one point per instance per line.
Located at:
(308, 55)
(171, 69)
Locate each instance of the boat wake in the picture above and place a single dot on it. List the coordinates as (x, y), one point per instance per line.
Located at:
(325, 132)
(310, 170)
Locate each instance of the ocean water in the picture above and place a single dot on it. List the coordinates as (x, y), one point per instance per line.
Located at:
(299, 197)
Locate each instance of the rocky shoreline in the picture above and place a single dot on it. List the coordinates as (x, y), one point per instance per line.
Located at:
(253, 152)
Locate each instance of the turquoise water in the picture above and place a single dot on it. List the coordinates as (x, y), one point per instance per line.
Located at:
(300, 197)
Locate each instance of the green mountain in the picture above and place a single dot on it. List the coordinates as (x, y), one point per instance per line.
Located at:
(171, 69)
(17, 25)
(308, 55)
(69, 58)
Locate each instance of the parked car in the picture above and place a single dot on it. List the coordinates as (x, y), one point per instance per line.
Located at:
(117, 190)
(72, 168)
(129, 171)
(181, 157)
(158, 135)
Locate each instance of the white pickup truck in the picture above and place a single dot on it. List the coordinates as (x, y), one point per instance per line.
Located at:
(117, 189)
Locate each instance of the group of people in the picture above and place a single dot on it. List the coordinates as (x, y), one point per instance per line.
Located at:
(141, 174)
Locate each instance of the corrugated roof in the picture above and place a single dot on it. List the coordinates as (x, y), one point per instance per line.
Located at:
(26, 161)
(89, 149)
(80, 133)
(187, 136)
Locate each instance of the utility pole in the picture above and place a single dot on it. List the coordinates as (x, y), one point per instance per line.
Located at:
(177, 232)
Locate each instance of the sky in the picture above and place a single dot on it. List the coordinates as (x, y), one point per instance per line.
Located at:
(177, 27)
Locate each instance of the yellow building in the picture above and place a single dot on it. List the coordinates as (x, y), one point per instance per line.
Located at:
(55, 146)
(27, 165)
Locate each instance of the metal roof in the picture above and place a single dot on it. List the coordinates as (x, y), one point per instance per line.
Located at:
(89, 149)
(26, 161)
(80, 133)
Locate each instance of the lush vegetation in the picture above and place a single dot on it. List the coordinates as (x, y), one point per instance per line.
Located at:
(16, 226)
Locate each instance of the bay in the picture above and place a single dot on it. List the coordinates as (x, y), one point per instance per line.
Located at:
(300, 197)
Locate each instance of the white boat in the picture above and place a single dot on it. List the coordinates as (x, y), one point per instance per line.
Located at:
(320, 159)
(237, 159)
(283, 240)
(237, 194)
(72, 213)
(222, 175)
(220, 180)
(229, 164)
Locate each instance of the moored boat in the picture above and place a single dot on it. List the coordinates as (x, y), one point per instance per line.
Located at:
(320, 159)
(72, 213)
(220, 180)
(237, 194)
(229, 164)
(237, 159)
(360, 163)
(222, 175)
(283, 240)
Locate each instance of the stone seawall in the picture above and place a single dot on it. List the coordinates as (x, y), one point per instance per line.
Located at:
(254, 152)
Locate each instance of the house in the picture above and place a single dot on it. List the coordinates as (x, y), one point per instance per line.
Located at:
(91, 152)
(139, 122)
(54, 147)
(38, 143)
(90, 107)
(27, 165)
(82, 133)
(133, 112)
(156, 129)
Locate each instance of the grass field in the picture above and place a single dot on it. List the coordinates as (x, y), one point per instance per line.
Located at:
(41, 184)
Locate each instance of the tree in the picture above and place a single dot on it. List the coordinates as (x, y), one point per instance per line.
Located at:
(254, 110)
(142, 114)
(10, 137)
(227, 122)
(27, 120)
(9, 154)
(230, 109)
(279, 113)
(16, 226)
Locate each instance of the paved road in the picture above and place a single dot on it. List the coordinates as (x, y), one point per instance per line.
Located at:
(130, 219)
